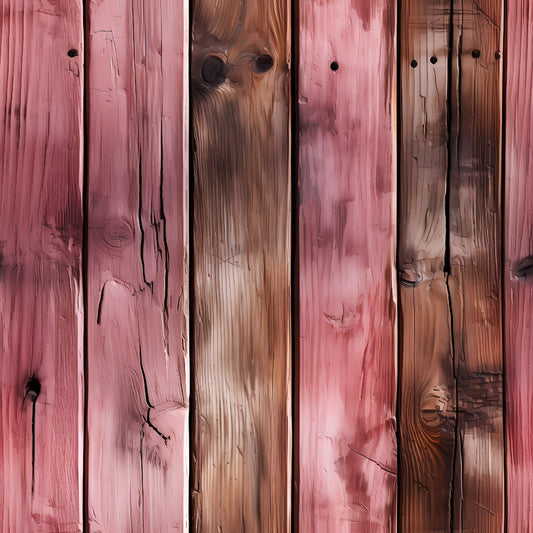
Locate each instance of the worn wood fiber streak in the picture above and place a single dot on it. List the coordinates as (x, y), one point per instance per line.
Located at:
(241, 248)
(427, 388)
(518, 269)
(475, 263)
(137, 296)
(347, 197)
(41, 310)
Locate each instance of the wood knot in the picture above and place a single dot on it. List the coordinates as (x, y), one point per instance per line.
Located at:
(263, 64)
(117, 233)
(32, 389)
(524, 268)
(214, 71)
(410, 277)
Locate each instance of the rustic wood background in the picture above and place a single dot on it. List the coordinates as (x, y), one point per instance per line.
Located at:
(266, 266)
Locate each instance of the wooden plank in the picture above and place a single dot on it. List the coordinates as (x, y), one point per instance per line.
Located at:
(241, 371)
(475, 263)
(518, 271)
(137, 411)
(427, 387)
(347, 318)
(41, 308)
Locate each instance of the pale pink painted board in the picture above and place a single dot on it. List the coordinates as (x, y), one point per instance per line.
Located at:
(347, 218)
(41, 310)
(518, 269)
(137, 298)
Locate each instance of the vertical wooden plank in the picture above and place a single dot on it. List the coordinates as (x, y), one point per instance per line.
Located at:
(41, 307)
(518, 269)
(475, 263)
(240, 98)
(40, 267)
(137, 339)
(427, 397)
(347, 195)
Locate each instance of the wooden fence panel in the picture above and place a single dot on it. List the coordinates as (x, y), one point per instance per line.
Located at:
(137, 340)
(475, 263)
(241, 246)
(427, 397)
(518, 269)
(41, 309)
(347, 317)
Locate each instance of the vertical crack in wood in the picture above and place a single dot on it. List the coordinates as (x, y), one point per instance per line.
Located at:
(32, 446)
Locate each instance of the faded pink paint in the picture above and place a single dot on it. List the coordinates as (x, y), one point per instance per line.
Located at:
(518, 277)
(347, 444)
(41, 311)
(137, 337)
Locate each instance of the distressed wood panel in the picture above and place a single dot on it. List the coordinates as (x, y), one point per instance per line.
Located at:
(137, 413)
(347, 316)
(427, 387)
(475, 263)
(518, 266)
(240, 100)
(41, 308)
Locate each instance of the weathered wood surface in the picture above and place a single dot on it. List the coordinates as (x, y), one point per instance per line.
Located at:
(449, 253)
(427, 388)
(241, 245)
(137, 223)
(475, 263)
(347, 196)
(41, 311)
(518, 269)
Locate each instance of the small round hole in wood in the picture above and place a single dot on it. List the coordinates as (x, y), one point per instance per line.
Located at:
(476, 53)
(72, 52)
(432, 60)
(334, 66)
(414, 63)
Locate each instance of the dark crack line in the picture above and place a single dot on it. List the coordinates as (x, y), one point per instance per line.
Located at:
(377, 463)
(148, 403)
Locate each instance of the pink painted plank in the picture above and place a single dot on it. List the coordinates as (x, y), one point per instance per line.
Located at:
(347, 445)
(41, 310)
(518, 269)
(137, 298)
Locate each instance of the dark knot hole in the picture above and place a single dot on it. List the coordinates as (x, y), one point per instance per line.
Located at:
(214, 71)
(264, 63)
(32, 389)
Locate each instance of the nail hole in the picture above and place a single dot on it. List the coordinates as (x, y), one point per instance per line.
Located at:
(72, 52)
(414, 63)
(334, 66)
(32, 389)
(432, 60)
(497, 55)
(476, 53)
(264, 63)
(214, 71)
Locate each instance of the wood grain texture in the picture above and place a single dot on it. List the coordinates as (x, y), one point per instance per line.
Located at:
(347, 196)
(518, 269)
(41, 309)
(240, 99)
(427, 387)
(137, 295)
(475, 263)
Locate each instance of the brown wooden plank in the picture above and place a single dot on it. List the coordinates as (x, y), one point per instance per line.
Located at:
(347, 198)
(240, 99)
(137, 340)
(518, 269)
(427, 388)
(41, 308)
(475, 263)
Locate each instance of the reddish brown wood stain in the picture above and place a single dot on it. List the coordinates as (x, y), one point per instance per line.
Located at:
(450, 212)
(137, 344)
(347, 445)
(241, 442)
(41, 310)
(518, 269)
